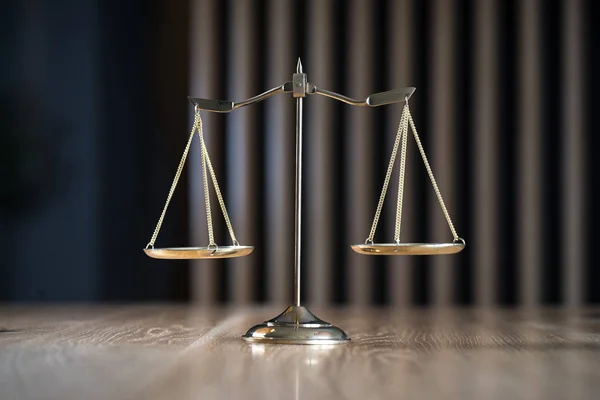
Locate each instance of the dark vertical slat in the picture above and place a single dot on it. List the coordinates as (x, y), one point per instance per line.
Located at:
(320, 156)
(340, 123)
(508, 70)
(441, 147)
(279, 143)
(400, 50)
(550, 153)
(529, 173)
(486, 241)
(573, 177)
(463, 274)
(420, 102)
(592, 140)
(243, 165)
(359, 163)
(203, 53)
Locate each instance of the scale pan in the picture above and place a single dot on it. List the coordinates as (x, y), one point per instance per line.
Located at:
(192, 253)
(407, 249)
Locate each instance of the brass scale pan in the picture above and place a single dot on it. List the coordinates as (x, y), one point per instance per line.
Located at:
(369, 249)
(408, 249)
(192, 253)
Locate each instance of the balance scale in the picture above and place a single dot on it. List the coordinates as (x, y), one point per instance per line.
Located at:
(297, 325)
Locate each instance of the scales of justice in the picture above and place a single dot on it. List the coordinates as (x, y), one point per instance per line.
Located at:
(297, 325)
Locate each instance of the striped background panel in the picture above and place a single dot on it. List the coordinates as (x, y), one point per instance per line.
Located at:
(503, 109)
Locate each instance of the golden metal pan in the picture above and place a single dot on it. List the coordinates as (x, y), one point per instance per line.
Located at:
(408, 249)
(192, 253)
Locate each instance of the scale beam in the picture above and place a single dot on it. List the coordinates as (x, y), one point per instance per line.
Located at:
(225, 106)
(374, 100)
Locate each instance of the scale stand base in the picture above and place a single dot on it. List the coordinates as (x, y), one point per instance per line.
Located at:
(296, 325)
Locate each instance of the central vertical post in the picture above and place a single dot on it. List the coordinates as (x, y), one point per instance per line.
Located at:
(297, 325)
(299, 91)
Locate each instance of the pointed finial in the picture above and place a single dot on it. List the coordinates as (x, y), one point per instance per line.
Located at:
(299, 66)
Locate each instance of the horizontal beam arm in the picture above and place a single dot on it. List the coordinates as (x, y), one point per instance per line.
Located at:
(225, 106)
(374, 100)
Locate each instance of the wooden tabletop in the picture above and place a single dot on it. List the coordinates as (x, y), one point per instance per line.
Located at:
(185, 352)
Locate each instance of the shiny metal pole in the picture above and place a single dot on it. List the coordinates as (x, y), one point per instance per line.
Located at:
(297, 325)
(298, 208)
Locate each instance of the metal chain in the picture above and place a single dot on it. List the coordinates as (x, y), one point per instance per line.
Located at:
(211, 235)
(388, 175)
(401, 177)
(206, 165)
(433, 182)
(218, 192)
(402, 134)
(173, 185)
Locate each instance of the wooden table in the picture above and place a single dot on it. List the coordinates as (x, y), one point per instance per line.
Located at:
(185, 352)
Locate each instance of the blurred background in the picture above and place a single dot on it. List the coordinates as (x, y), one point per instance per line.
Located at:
(95, 117)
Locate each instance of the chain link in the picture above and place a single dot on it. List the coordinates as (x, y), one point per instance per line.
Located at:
(206, 165)
(401, 176)
(209, 224)
(402, 135)
(433, 182)
(219, 195)
(388, 175)
(173, 185)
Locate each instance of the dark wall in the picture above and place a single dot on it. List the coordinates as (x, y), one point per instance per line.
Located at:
(91, 94)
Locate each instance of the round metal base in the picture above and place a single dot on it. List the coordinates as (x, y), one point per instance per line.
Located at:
(296, 325)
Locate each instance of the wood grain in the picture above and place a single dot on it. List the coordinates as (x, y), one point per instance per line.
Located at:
(158, 352)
